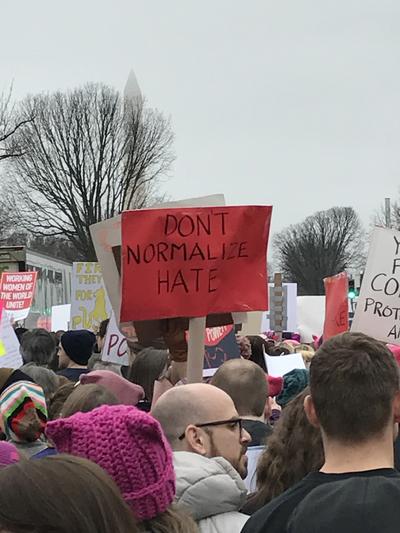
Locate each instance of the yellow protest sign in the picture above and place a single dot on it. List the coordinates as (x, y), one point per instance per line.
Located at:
(89, 303)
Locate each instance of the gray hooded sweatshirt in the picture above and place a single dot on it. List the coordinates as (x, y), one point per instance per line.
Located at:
(212, 491)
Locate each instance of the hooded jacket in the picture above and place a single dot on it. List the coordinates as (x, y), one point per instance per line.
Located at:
(211, 490)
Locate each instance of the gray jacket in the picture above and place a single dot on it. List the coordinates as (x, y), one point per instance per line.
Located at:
(212, 491)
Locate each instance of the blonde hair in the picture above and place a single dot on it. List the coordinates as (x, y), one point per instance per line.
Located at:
(286, 345)
(304, 348)
(307, 356)
(307, 352)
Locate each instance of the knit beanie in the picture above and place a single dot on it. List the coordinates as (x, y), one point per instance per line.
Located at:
(294, 382)
(8, 376)
(78, 345)
(128, 444)
(275, 385)
(23, 411)
(8, 454)
(127, 393)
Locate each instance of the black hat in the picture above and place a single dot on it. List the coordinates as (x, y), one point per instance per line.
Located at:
(365, 504)
(78, 345)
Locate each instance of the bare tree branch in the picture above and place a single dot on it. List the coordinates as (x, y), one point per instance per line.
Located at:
(10, 123)
(86, 156)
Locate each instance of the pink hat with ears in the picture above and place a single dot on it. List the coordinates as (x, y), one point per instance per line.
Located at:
(127, 393)
(130, 446)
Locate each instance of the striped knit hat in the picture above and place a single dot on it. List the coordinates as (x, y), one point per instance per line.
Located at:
(23, 411)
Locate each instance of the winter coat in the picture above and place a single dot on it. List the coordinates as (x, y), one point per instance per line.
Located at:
(211, 490)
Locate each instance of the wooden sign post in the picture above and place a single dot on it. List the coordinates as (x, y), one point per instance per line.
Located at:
(278, 305)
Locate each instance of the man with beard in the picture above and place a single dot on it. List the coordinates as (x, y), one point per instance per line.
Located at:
(205, 432)
(246, 384)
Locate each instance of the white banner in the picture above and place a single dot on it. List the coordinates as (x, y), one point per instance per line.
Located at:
(12, 357)
(115, 348)
(310, 316)
(378, 306)
(281, 365)
(89, 301)
(60, 315)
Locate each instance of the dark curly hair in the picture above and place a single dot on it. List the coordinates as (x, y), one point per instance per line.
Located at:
(293, 450)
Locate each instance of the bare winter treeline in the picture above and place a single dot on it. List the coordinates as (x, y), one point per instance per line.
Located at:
(83, 157)
(323, 245)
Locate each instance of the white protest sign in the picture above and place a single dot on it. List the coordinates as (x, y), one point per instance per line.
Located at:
(378, 306)
(290, 308)
(60, 315)
(89, 301)
(278, 366)
(310, 316)
(115, 348)
(12, 357)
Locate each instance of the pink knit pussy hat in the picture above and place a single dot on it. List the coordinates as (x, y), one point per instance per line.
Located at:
(8, 454)
(130, 445)
(127, 393)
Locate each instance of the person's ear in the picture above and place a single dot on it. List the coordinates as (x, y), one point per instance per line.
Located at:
(268, 408)
(310, 411)
(196, 440)
(396, 407)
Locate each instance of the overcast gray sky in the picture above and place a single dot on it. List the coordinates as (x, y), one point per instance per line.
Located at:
(293, 103)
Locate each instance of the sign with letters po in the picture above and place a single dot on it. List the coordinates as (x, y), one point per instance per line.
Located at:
(189, 262)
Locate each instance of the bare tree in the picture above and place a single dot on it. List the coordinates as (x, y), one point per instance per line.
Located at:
(323, 245)
(10, 122)
(87, 155)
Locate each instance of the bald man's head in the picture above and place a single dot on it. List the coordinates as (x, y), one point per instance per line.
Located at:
(246, 383)
(194, 404)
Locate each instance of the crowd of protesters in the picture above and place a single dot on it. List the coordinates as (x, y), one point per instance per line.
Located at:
(89, 446)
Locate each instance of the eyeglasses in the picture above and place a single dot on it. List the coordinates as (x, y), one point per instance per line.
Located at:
(232, 421)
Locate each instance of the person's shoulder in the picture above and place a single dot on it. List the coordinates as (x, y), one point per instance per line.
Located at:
(73, 374)
(274, 515)
(220, 523)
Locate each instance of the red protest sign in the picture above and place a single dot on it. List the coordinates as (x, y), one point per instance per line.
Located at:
(189, 262)
(16, 292)
(336, 305)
